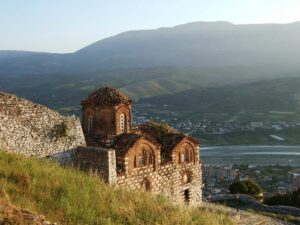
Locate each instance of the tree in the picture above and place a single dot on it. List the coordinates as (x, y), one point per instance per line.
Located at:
(247, 187)
(296, 198)
(238, 188)
(279, 199)
(289, 199)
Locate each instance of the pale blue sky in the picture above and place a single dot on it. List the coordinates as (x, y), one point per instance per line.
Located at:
(68, 25)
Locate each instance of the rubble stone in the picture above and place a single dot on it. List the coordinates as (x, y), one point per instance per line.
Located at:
(34, 130)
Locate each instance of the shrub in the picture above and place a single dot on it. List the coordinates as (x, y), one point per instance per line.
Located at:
(59, 130)
(288, 199)
(157, 130)
(279, 199)
(247, 187)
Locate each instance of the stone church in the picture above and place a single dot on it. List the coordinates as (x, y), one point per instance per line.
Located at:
(153, 157)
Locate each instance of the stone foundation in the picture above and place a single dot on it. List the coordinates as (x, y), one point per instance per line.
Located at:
(100, 160)
(176, 182)
(169, 181)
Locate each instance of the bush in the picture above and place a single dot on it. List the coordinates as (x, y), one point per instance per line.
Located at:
(288, 199)
(279, 199)
(247, 187)
(59, 130)
(157, 130)
(296, 198)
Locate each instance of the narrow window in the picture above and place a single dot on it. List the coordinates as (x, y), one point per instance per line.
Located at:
(141, 159)
(134, 162)
(150, 158)
(122, 123)
(187, 195)
(186, 155)
(90, 124)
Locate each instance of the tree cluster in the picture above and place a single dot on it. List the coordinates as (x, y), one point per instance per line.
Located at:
(288, 199)
(247, 187)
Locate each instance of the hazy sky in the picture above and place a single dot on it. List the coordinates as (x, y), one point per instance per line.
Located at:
(68, 25)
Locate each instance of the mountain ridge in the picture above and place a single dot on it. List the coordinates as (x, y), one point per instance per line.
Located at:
(196, 44)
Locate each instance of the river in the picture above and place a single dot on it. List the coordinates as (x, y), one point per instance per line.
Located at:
(254, 155)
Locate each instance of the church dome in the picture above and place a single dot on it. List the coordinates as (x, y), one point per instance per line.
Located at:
(107, 96)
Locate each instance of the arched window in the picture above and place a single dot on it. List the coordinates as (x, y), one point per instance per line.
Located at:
(185, 155)
(122, 123)
(144, 158)
(90, 124)
(146, 185)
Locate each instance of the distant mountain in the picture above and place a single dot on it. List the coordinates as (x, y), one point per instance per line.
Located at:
(205, 65)
(199, 44)
(23, 62)
(15, 54)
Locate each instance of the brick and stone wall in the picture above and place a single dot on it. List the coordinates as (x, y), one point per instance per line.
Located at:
(168, 180)
(152, 157)
(171, 179)
(178, 178)
(106, 120)
(34, 130)
(100, 160)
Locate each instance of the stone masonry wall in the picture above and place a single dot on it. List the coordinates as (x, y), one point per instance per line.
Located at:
(168, 180)
(98, 160)
(34, 130)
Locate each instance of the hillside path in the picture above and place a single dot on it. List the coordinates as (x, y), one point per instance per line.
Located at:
(243, 217)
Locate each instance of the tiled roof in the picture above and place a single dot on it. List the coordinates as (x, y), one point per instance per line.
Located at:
(165, 135)
(107, 96)
(154, 130)
(171, 140)
(124, 142)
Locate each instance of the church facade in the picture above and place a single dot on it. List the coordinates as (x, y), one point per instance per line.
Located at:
(152, 157)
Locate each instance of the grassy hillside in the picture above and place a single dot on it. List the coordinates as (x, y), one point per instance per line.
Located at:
(65, 91)
(67, 196)
(262, 96)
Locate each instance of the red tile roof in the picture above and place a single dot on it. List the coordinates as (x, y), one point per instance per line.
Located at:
(124, 142)
(107, 96)
(165, 135)
(154, 130)
(171, 140)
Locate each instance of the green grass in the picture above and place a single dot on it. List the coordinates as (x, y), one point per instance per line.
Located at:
(68, 196)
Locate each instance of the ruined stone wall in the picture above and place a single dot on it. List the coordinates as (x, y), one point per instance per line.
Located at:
(100, 160)
(168, 180)
(34, 130)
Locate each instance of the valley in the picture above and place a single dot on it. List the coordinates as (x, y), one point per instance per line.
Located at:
(207, 107)
(150, 112)
(209, 92)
